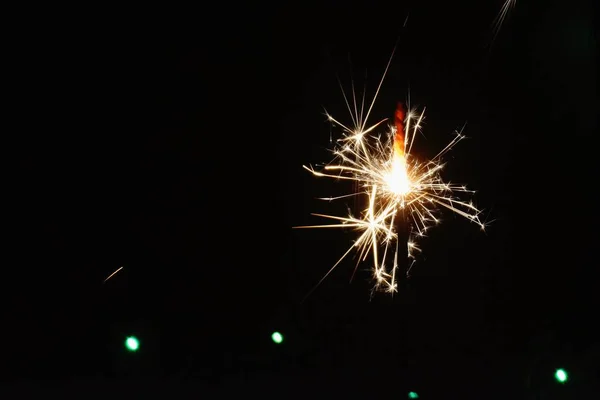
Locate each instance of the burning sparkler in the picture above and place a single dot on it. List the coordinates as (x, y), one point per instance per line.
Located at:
(400, 189)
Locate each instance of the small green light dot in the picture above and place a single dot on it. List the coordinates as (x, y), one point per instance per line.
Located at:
(277, 337)
(132, 344)
(561, 375)
(413, 395)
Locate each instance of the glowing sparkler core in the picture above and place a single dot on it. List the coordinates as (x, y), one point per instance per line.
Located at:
(397, 179)
(393, 180)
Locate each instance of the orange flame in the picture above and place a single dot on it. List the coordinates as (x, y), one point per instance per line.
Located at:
(399, 136)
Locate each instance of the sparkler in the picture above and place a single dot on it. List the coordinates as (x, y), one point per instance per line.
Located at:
(402, 192)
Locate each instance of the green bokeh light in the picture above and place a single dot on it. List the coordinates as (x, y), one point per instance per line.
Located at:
(277, 337)
(413, 395)
(132, 343)
(561, 375)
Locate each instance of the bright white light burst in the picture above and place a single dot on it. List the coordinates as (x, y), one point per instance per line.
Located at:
(399, 188)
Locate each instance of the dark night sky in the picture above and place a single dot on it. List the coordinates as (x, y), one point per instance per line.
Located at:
(172, 143)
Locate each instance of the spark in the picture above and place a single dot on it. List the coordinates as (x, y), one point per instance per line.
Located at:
(399, 188)
(507, 6)
(113, 274)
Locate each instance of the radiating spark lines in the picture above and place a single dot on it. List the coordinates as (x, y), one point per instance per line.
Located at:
(507, 6)
(398, 187)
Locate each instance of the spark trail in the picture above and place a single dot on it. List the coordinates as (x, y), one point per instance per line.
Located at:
(507, 6)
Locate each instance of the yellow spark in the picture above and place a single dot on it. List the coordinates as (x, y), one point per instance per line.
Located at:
(113, 274)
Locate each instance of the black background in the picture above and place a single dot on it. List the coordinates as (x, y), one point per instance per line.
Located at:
(171, 142)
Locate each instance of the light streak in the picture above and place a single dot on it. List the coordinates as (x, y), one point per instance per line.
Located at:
(113, 274)
(502, 14)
